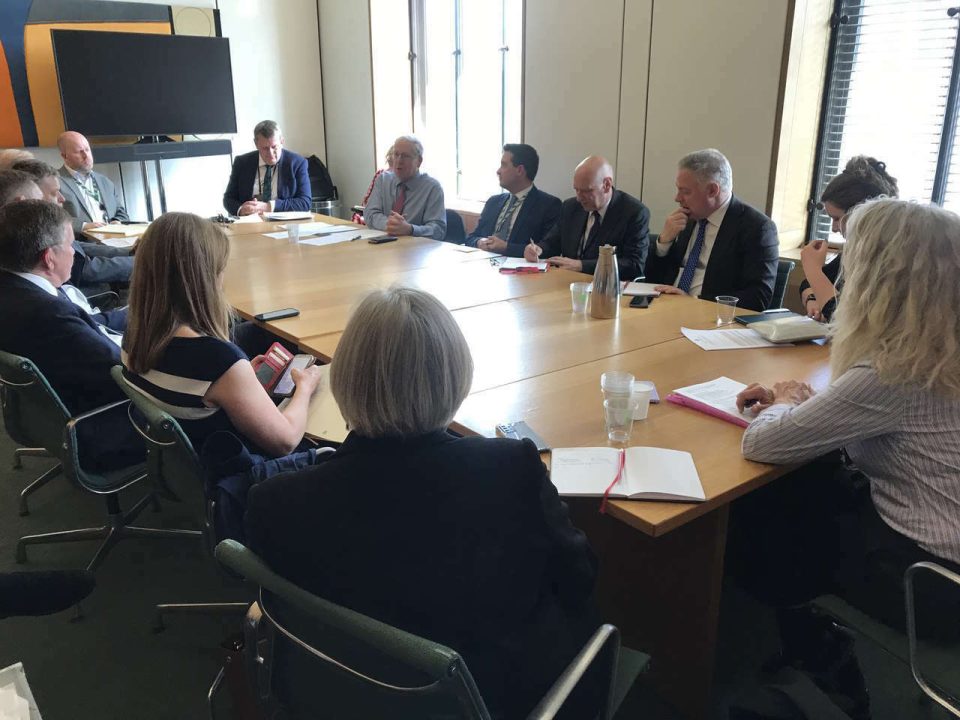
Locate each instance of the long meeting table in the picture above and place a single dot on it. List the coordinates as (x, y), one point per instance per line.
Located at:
(661, 564)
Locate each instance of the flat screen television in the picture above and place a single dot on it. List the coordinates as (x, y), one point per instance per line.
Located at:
(115, 83)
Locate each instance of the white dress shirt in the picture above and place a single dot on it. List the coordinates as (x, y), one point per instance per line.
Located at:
(76, 297)
(520, 196)
(258, 181)
(709, 237)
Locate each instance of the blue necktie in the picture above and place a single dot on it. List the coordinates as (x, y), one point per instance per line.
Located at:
(502, 230)
(686, 279)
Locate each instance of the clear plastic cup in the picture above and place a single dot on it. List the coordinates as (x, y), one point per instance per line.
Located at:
(579, 295)
(616, 384)
(293, 232)
(726, 309)
(618, 419)
(642, 392)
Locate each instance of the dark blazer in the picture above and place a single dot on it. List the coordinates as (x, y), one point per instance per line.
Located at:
(832, 271)
(462, 541)
(625, 226)
(75, 357)
(742, 263)
(73, 199)
(293, 182)
(95, 265)
(537, 215)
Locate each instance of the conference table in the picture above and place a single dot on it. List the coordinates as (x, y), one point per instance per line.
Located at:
(661, 564)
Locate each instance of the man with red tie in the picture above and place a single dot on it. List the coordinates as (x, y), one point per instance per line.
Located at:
(407, 201)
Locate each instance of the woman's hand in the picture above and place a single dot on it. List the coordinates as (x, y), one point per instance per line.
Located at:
(755, 397)
(813, 256)
(306, 380)
(792, 392)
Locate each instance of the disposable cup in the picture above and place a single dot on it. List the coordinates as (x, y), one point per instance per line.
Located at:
(579, 296)
(616, 384)
(618, 419)
(642, 392)
(293, 232)
(726, 309)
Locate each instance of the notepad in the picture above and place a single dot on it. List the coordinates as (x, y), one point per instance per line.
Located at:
(726, 339)
(717, 398)
(521, 265)
(125, 230)
(649, 473)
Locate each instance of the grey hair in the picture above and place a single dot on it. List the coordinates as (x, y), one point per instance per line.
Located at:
(15, 183)
(402, 366)
(267, 129)
(709, 165)
(11, 156)
(27, 228)
(413, 140)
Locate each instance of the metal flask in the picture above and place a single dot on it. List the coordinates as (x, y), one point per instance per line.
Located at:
(605, 298)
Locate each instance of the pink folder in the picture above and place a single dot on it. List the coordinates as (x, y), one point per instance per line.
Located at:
(704, 408)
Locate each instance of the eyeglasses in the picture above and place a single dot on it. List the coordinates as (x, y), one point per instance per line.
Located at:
(397, 157)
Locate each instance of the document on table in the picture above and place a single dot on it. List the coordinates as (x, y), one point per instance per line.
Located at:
(120, 242)
(312, 228)
(289, 215)
(126, 230)
(727, 339)
(254, 218)
(319, 232)
(521, 264)
(321, 240)
(716, 397)
(635, 288)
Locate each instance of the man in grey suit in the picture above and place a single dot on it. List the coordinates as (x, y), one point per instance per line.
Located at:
(92, 200)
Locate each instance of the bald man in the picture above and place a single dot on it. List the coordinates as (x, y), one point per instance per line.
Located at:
(90, 197)
(598, 215)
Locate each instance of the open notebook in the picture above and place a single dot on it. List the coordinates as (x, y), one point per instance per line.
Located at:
(648, 473)
(717, 397)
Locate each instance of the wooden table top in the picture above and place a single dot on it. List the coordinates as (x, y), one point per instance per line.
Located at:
(565, 408)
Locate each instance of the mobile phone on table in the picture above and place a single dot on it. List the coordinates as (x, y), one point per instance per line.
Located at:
(520, 430)
(277, 314)
(382, 239)
(641, 301)
(285, 387)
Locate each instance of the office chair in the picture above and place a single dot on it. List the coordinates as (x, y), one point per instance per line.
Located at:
(303, 652)
(456, 233)
(784, 268)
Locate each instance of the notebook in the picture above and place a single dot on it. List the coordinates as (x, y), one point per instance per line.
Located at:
(648, 473)
(717, 397)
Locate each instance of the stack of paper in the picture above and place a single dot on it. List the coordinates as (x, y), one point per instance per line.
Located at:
(125, 230)
(119, 242)
(717, 397)
(289, 215)
(726, 339)
(521, 265)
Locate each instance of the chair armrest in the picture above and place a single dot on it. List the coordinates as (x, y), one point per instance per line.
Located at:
(931, 690)
(603, 645)
(113, 297)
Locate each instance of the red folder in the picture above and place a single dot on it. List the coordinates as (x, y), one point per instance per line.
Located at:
(708, 409)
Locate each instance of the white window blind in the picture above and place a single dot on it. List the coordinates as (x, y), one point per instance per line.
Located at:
(887, 93)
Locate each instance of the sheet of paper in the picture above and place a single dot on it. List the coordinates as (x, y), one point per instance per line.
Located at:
(720, 394)
(321, 240)
(120, 242)
(634, 288)
(289, 215)
(317, 227)
(726, 339)
(137, 229)
(583, 471)
(662, 474)
(249, 219)
(327, 232)
(520, 264)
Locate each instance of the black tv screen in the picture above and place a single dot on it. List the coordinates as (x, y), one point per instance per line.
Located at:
(140, 84)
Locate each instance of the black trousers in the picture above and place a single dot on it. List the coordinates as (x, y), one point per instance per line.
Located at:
(816, 531)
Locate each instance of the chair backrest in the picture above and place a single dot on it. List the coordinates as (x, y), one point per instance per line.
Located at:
(936, 685)
(172, 463)
(33, 413)
(323, 659)
(784, 268)
(456, 233)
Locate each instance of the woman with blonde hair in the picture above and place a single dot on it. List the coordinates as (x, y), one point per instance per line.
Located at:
(460, 540)
(177, 347)
(893, 406)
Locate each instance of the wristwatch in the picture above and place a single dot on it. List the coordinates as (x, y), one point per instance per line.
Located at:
(810, 297)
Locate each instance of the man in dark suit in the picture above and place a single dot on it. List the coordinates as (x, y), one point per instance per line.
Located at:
(269, 179)
(90, 197)
(522, 214)
(598, 215)
(714, 244)
(73, 349)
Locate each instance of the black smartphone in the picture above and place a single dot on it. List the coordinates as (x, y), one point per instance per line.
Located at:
(520, 430)
(277, 314)
(641, 301)
(382, 239)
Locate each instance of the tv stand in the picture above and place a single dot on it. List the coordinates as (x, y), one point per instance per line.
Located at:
(150, 139)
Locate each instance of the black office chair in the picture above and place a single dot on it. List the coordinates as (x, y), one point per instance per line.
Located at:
(456, 233)
(784, 268)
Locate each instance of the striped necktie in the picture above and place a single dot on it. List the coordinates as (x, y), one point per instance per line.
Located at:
(686, 279)
(503, 228)
(267, 184)
(401, 198)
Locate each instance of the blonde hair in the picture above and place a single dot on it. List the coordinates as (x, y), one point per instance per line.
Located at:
(402, 366)
(175, 282)
(901, 301)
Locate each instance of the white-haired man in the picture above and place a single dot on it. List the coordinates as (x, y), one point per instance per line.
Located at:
(714, 244)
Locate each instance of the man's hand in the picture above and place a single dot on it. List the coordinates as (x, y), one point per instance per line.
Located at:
(669, 290)
(532, 252)
(813, 255)
(565, 263)
(674, 225)
(253, 207)
(492, 244)
(92, 225)
(397, 225)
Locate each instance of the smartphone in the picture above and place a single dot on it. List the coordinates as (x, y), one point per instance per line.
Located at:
(271, 367)
(520, 430)
(641, 301)
(382, 239)
(277, 314)
(285, 387)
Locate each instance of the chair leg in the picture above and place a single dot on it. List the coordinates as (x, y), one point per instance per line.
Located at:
(223, 609)
(21, 453)
(61, 536)
(211, 693)
(36, 485)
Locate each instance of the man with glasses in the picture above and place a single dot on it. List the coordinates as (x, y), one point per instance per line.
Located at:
(407, 201)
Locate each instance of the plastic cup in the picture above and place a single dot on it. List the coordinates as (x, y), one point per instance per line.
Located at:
(579, 295)
(726, 309)
(616, 384)
(293, 232)
(618, 419)
(642, 392)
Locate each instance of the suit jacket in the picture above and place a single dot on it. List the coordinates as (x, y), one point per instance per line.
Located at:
(742, 263)
(73, 199)
(96, 265)
(538, 214)
(293, 182)
(463, 541)
(75, 356)
(625, 226)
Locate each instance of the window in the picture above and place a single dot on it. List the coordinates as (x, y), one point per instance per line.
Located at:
(891, 94)
(466, 69)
